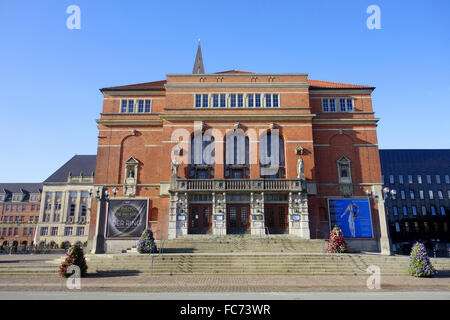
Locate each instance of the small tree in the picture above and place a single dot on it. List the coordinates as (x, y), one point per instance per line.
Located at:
(74, 256)
(419, 263)
(336, 243)
(146, 243)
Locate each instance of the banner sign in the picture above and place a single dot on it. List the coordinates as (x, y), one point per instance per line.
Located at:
(352, 216)
(126, 218)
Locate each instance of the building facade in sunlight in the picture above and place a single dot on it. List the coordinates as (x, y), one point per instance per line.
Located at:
(237, 152)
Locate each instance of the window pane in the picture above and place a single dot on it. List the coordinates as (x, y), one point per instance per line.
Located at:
(223, 101)
(148, 105)
(232, 100)
(240, 100)
(130, 105)
(250, 100)
(205, 101)
(198, 100)
(275, 100)
(332, 105)
(140, 105)
(325, 105)
(349, 104)
(257, 100)
(215, 100)
(342, 104)
(268, 100)
(124, 106)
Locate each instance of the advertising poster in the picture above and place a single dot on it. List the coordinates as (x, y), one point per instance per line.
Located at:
(126, 218)
(352, 216)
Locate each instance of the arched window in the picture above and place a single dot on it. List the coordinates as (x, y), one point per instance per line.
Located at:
(271, 156)
(237, 157)
(344, 172)
(202, 156)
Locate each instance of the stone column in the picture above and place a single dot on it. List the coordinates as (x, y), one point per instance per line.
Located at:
(298, 215)
(178, 215)
(385, 241)
(257, 226)
(219, 216)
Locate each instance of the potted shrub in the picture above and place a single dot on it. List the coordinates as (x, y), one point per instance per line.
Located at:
(419, 262)
(146, 243)
(336, 243)
(74, 256)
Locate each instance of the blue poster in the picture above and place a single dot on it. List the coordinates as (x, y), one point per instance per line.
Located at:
(352, 216)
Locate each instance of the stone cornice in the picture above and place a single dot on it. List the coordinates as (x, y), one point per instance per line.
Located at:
(252, 116)
(132, 122)
(236, 85)
(346, 121)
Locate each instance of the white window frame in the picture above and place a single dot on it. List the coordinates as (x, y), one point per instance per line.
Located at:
(135, 106)
(227, 95)
(337, 104)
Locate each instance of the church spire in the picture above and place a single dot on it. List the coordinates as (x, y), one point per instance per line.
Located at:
(198, 65)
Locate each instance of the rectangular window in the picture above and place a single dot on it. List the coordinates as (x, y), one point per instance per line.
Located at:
(275, 100)
(80, 231)
(430, 193)
(342, 105)
(402, 193)
(424, 211)
(397, 227)
(442, 210)
(395, 211)
(25, 232)
(130, 106)
(257, 100)
(410, 179)
(44, 231)
(7, 208)
(438, 179)
(325, 106)
(411, 194)
(391, 179)
(405, 211)
(68, 231)
(198, 100)
(268, 100)
(400, 179)
(440, 195)
(447, 179)
(350, 105)
(123, 108)
(215, 100)
(419, 179)
(428, 179)
(414, 210)
(448, 193)
(83, 210)
(148, 106)
(140, 106)
(223, 100)
(30, 231)
(205, 101)
(421, 194)
(332, 105)
(433, 210)
(54, 231)
(72, 210)
(250, 100)
(240, 101)
(232, 100)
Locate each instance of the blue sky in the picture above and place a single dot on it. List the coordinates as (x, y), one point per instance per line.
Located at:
(50, 75)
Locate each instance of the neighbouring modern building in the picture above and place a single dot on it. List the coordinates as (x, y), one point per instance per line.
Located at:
(236, 152)
(421, 207)
(66, 202)
(19, 212)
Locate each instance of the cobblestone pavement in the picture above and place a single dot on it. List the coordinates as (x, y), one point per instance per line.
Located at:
(223, 283)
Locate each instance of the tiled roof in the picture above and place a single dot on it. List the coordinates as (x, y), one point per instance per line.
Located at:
(25, 188)
(319, 84)
(84, 164)
(154, 85)
(234, 71)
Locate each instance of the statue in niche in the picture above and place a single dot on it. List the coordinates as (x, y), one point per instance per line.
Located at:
(300, 168)
(130, 173)
(175, 165)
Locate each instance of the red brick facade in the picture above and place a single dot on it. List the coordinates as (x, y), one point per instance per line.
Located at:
(300, 118)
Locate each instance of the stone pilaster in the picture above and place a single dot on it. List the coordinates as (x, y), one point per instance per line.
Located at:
(219, 216)
(385, 241)
(178, 215)
(257, 226)
(298, 215)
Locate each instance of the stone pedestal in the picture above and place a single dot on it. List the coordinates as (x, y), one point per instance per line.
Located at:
(385, 241)
(219, 214)
(298, 215)
(178, 215)
(257, 225)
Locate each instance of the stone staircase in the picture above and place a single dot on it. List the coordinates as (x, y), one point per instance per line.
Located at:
(311, 264)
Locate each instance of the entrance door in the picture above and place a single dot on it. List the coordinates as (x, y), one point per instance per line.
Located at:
(276, 217)
(199, 218)
(238, 216)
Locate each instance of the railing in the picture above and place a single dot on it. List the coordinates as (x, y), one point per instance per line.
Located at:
(238, 184)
